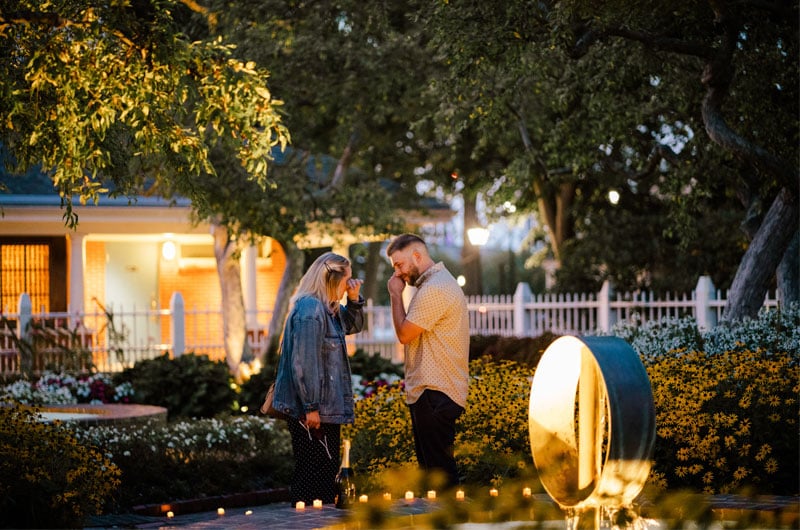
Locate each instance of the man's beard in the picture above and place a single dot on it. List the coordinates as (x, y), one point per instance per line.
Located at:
(413, 275)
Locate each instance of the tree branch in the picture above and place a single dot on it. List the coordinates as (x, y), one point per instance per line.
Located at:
(341, 167)
(657, 42)
(717, 77)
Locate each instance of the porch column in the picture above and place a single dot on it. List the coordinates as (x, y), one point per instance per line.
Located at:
(77, 261)
(248, 262)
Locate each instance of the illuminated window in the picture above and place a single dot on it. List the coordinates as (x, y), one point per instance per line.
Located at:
(25, 268)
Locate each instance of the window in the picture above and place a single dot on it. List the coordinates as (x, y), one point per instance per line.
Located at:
(36, 266)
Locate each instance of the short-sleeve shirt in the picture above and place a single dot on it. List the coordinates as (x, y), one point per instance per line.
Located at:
(438, 359)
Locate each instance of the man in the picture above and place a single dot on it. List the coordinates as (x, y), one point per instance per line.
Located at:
(435, 332)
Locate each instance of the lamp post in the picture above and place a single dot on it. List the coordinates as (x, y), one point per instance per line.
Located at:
(478, 236)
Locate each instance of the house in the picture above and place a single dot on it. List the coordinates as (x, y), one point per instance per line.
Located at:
(129, 258)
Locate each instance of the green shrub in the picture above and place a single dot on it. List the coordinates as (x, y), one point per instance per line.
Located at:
(63, 388)
(253, 390)
(381, 435)
(492, 434)
(371, 367)
(197, 458)
(523, 350)
(48, 479)
(773, 330)
(727, 422)
(492, 442)
(188, 386)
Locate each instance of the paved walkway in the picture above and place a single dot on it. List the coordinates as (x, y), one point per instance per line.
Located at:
(283, 516)
(277, 516)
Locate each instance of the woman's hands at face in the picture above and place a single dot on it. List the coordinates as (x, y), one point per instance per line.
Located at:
(353, 288)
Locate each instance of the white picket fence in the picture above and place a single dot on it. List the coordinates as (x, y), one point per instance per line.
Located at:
(128, 335)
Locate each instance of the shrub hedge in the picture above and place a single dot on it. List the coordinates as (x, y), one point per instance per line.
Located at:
(188, 386)
(727, 421)
(48, 478)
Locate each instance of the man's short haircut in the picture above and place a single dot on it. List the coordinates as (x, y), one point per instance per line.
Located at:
(402, 241)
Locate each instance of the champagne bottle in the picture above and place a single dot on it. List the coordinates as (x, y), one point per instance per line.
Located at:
(345, 486)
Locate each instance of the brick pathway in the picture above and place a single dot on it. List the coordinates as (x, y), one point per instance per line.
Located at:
(283, 516)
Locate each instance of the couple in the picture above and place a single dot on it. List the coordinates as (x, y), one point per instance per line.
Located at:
(314, 386)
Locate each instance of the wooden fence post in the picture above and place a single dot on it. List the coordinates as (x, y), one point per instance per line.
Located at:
(522, 296)
(704, 314)
(605, 318)
(25, 310)
(177, 326)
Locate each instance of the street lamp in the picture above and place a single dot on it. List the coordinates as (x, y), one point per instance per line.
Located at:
(478, 236)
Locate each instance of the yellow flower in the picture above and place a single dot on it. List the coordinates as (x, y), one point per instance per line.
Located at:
(763, 452)
(771, 466)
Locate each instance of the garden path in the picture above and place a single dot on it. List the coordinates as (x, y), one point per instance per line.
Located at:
(283, 516)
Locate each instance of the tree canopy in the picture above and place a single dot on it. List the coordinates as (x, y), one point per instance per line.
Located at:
(686, 107)
(110, 97)
(688, 110)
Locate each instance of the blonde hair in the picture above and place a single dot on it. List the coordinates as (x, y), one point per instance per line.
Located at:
(322, 279)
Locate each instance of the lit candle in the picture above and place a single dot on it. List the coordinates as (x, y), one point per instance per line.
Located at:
(249, 512)
(363, 498)
(170, 515)
(526, 492)
(387, 496)
(493, 492)
(317, 503)
(460, 495)
(220, 511)
(300, 505)
(431, 494)
(409, 495)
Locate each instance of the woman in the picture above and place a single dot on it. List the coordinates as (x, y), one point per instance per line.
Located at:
(313, 386)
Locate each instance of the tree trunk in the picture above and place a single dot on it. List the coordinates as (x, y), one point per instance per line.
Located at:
(762, 257)
(291, 277)
(234, 321)
(788, 273)
(773, 237)
(555, 206)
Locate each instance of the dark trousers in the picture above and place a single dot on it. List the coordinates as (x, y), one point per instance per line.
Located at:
(316, 462)
(433, 420)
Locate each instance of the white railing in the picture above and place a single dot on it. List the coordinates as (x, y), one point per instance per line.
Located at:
(122, 336)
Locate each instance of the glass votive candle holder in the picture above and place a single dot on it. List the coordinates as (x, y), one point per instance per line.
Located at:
(409, 495)
(493, 492)
(249, 512)
(460, 495)
(387, 496)
(220, 511)
(526, 492)
(170, 515)
(300, 505)
(363, 498)
(431, 494)
(317, 503)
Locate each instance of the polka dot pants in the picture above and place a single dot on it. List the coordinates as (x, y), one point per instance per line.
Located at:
(316, 462)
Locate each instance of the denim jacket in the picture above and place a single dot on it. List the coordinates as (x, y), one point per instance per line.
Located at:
(313, 369)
